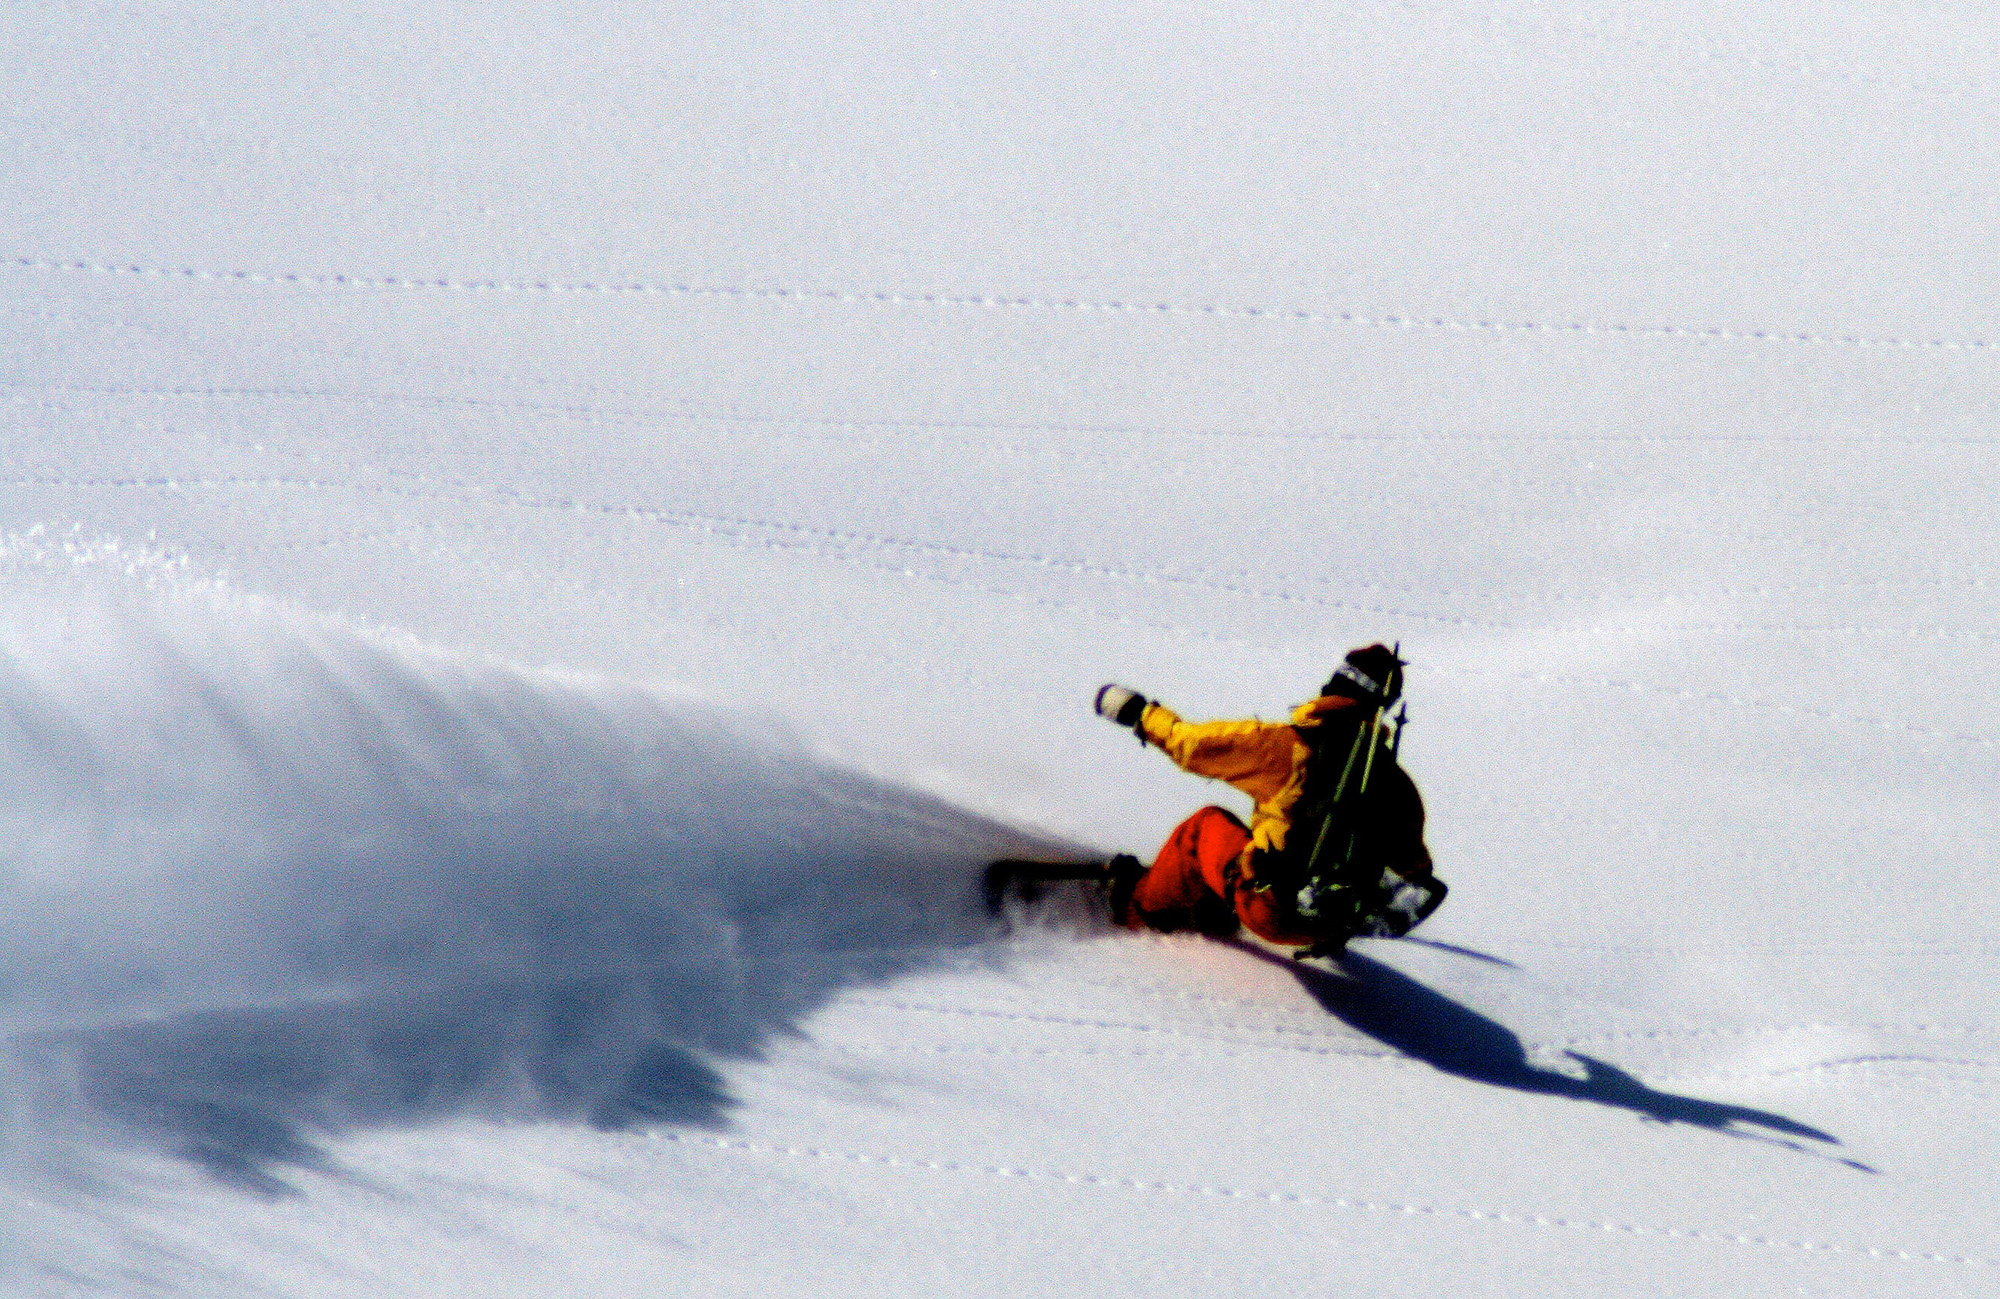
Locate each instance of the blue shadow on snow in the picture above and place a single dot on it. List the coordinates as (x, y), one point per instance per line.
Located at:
(1425, 1025)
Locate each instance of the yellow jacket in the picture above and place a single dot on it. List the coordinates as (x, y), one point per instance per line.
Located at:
(1266, 760)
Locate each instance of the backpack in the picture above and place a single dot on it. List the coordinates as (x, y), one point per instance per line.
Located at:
(1337, 875)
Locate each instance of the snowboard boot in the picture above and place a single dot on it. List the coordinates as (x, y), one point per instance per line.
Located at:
(1121, 878)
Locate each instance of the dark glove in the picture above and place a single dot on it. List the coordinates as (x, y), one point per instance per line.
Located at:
(1122, 706)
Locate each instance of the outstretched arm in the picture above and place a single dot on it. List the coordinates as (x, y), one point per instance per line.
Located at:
(1256, 757)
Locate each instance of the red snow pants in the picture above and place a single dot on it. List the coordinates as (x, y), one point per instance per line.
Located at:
(1192, 884)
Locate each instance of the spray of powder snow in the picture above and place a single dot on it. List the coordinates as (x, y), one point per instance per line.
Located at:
(263, 880)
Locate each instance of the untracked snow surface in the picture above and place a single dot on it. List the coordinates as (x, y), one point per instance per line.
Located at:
(542, 546)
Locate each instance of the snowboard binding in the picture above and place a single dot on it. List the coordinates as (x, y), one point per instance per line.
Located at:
(1389, 907)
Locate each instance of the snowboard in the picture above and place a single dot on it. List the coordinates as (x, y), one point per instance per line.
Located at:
(1028, 881)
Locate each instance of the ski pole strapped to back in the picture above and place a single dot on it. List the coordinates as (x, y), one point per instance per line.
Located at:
(1347, 795)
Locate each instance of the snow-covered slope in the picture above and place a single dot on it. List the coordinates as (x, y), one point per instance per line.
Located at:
(540, 549)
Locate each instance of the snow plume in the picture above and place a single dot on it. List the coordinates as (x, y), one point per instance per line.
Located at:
(263, 879)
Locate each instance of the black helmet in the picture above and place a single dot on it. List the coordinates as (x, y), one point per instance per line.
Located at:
(1372, 673)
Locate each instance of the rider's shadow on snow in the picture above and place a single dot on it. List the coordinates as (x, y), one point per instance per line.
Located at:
(1402, 1013)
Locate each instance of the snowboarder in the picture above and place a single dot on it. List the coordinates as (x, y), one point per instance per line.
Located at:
(1335, 844)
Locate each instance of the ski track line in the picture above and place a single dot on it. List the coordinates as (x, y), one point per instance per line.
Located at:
(1981, 946)
(1002, 302)
(1199, 1190)
(1901, 1068)
(1174, 992)
(1222, 638)
(1846, 1064)
(1167, 992)
(814, 539)
(1800, 504)
(1232, 581)
(1171, 992)
(583, 412)
(1797, 504)
(776, 426)
(1248, 1038)
(1795, 507)
(719, 527)
(735, 628)
(1198, 1032)
(1580, 491)
(1220, 579)
(1201, 1031)
(1765, 1030)
(1248, 1051)
(838, 537)
(1557, 595)
(653, 396)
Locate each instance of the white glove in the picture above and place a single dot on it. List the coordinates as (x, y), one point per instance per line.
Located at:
(1120, 705)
